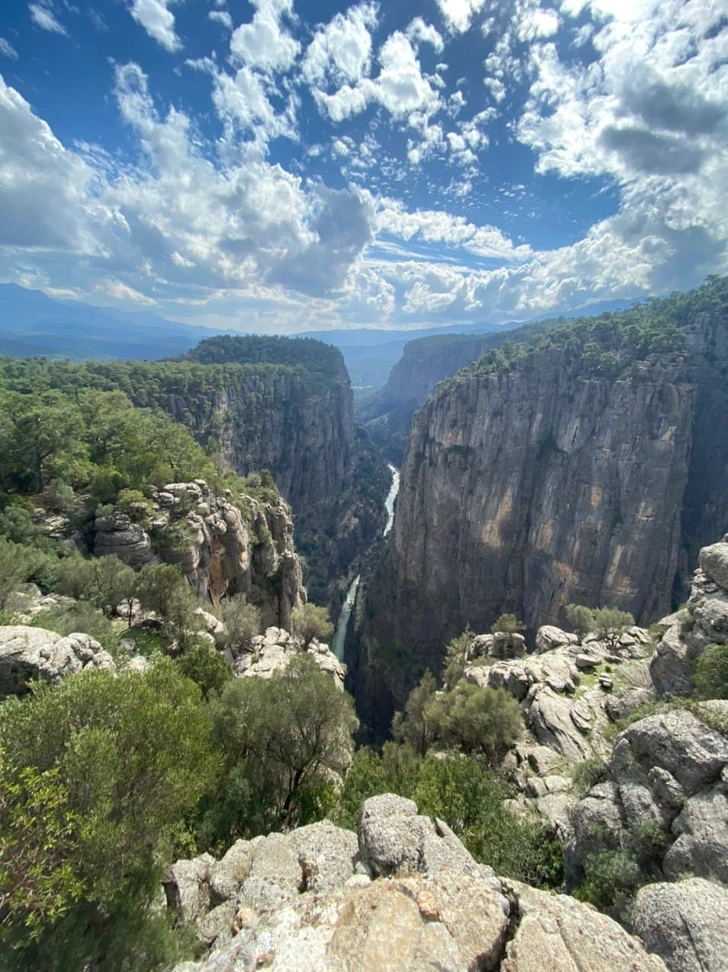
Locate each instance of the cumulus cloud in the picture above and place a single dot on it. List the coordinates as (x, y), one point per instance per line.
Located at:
(422, 33)
(221, 17)
(158, 21)
(264, 43)
(42, 16)
(458, 14)
(340, 52)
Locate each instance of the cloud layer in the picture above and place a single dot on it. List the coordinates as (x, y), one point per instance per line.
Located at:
(360, 171)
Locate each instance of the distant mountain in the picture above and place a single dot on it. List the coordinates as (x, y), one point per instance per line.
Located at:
(33, 324)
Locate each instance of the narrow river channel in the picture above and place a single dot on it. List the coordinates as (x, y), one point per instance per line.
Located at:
(337, 645)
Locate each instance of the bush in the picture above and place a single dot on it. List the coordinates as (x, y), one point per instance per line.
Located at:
(475, 720)
(14, 570)
(588, 773)
(710, 680)
(79, 617)
(311, 621)
(108, 767)
(242, 621)
(206, 667)
(507, 624)
(611, 879)
(580, 618)
(457, 655)
(463, 792)
(282, 739)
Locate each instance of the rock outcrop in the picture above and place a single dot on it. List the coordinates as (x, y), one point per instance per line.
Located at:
(664, 796)
(317, 899)
(28, 654)
(273, 651)
(685, 923)
(223, 546)
(703, 622)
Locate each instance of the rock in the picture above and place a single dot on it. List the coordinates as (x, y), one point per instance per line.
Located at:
(549, 718)
(701, 847)
(229, 873)
(394, 840)
(447, 913)
(116, 535)
(187, 886)
(619, 706)
(28, 653)
(326, 855)
(714, 563)
(549, 637)
(671, 666)
(558, 934)
(274, 651)
(685, 923)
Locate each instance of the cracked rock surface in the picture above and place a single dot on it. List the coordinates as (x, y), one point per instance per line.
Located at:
(402, 895)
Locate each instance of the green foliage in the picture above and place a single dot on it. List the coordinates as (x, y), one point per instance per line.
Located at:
(580, 618)
(130, 757)
(608, 624)
(475, 720)
(242, 622)
(37, 885)
(462, 791)
(106, 582)
(611, 879)
(414, 725)
(14, 570)
(205, 667)
(588, 773)
(161, 588)
(311, 621)
(457, 654)
(710, 680)
(507, 624)
(282, 738)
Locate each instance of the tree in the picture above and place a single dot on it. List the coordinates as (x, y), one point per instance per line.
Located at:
(580, 618)
(206, 667)
(311, 621)
(242, 622)
(611, 623)
(14, 570)
(105, 582)
(130, 754)
(413, 726)
(457, 655)
(475, 720)
(161, 588)
(507, 624)
(282, 738)
(48, 435)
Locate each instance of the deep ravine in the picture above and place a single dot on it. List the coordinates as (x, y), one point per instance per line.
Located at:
(337, 645)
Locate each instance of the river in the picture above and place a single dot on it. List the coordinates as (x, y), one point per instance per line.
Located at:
(337, 645)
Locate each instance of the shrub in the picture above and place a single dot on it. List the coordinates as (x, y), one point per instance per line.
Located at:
(710, 680)
(242, 621)
(507, 624)
(611, 879)
(311, 621)
(206, 667)
(475, 720)
(588, 773)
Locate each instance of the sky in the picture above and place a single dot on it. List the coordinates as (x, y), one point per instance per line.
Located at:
(288, 165)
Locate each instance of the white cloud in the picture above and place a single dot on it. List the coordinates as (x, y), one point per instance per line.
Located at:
(422, 33)
(264, 43)
(340, 52)
(42, 16)
(158, 21)
(123, 292)
(7, 49)
(221, 17)
(458, 14)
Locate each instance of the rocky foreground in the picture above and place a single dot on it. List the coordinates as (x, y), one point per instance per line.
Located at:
(402, 895)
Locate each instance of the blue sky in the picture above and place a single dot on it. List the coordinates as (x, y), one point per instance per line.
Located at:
(282, 165)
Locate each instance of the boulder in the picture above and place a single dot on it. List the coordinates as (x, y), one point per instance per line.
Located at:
(549, 637)
(28, 653)
(701, 845)
(714, 563)
(685, 923)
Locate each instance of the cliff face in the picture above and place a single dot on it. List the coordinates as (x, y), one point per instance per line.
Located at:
(425, 362)
(223, 546)
(523, 492)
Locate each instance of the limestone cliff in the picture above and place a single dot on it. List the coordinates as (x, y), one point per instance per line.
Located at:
(224, 545)
(387, 416)
(562, 472)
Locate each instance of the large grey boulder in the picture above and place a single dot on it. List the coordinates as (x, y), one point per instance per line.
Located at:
(714, 563)
(701, 847)
(685, 923)
(273, 652)
(28, 653)
(395, 840)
